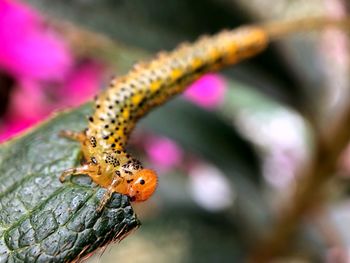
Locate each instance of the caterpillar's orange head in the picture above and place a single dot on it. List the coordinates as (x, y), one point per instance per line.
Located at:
(143, 186)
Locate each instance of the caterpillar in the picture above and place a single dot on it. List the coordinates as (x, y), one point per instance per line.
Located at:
(146, 86)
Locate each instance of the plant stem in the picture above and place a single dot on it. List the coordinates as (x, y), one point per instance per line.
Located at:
(309, 191)
(280, 29)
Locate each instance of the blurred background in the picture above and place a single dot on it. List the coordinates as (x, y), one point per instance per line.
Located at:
(228, 150)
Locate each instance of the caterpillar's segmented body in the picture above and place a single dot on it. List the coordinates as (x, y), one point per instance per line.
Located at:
(147, 85)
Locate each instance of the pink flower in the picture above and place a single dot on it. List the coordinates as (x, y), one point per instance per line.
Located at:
(163, 152)
(47, 76)
(28, 48)
(82, 84)
(31, 104)
(14, 127)
(207, 92)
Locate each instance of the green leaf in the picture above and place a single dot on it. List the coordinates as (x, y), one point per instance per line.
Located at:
(207, 135)
(43, 220)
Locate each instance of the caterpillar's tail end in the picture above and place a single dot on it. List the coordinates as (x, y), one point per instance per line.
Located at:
(76, 136)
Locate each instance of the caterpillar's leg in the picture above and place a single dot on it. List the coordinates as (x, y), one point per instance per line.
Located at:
(107, 195)
(80, 137)
(77, 136)
(88, 169)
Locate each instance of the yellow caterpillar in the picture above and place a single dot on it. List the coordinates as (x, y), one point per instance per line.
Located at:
(147, 85)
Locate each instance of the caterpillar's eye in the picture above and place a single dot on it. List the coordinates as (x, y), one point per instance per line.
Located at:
(144, 186)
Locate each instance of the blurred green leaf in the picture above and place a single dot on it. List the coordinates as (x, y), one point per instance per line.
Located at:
(210, 137)
(206, 134)
(42, 220)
